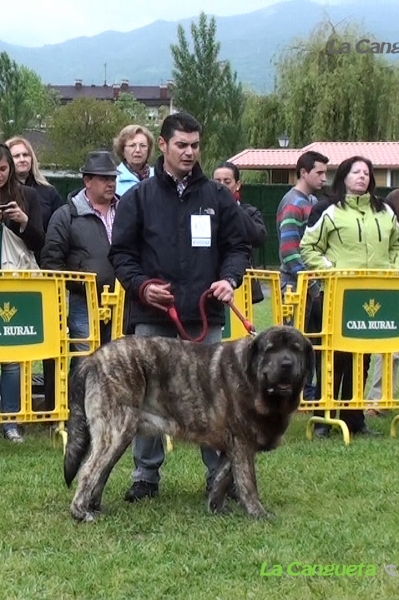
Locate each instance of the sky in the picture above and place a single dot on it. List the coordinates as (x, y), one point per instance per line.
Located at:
(40, 22)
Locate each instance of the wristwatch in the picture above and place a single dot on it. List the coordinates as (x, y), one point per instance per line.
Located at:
(232, 282)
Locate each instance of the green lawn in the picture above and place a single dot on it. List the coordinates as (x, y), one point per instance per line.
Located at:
(334, 504)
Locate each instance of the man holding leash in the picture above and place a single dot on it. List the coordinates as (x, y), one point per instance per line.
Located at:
(175, 236)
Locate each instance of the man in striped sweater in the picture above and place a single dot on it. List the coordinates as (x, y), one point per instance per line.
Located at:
(292, 217)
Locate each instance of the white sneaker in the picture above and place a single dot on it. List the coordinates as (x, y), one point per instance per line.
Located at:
(14, 436)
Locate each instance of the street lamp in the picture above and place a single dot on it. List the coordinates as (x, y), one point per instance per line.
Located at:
(283, 140)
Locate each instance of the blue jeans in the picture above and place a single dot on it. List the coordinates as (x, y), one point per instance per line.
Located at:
(10, 390)
(78, 325)
(148, 452)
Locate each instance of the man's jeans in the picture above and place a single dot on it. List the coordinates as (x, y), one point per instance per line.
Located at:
(10, 390)
(148, 452)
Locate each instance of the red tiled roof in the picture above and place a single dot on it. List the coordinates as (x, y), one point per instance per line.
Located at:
(383, 155)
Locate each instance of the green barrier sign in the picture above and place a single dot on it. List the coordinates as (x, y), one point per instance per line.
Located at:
(21, 318)
(370, 314)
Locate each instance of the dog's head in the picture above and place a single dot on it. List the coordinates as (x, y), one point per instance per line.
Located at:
(280, 359)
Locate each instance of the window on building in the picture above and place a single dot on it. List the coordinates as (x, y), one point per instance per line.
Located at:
(280, 176)
(395, 178)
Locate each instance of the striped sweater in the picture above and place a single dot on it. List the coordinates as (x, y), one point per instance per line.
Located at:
(292, 217)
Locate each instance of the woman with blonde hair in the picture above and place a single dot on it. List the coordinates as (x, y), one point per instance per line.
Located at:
(133, 146)
(28, 173)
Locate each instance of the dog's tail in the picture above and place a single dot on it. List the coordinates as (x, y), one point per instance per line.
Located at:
(78, 441)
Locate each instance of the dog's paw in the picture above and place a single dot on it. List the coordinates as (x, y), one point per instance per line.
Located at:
(96, 507)
(217, 508)
(258, 512)
(82, 515)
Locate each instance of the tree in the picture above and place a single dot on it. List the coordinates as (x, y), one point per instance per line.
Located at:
(262, 120)
(81, 126)
(330, 91)
(135, 110)
(23, 97)
(207, 88)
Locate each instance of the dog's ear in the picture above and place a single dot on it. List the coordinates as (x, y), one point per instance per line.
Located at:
(252, 354)
(310, 356)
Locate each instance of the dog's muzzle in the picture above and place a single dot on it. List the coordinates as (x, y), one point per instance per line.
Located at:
(283, 386)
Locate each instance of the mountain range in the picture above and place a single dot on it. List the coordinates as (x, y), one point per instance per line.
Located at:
(250, 41)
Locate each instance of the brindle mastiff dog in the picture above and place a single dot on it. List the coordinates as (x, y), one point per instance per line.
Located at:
(237, 397)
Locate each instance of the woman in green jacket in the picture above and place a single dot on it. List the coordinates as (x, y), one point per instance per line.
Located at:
(353, 230)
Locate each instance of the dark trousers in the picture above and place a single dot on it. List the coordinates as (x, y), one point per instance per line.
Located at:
(49, 384)
(343, 378)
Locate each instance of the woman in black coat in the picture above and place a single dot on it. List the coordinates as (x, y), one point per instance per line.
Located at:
(28, 173)
(255, 228)
(20, 212)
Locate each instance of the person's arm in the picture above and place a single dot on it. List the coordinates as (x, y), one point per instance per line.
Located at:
(314, 243)
(394, 241)
(233, 247)
(57, 245)
(255, 228)
(26, 222)
(124, 253)
(291, 222)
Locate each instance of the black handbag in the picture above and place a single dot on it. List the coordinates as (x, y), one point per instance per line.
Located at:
(257, 294)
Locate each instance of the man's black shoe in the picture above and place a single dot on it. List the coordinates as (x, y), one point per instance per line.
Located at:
(367, 432)
(322, 431)
(140, 490)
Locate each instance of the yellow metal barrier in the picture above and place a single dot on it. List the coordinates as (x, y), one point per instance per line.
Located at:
(272, 290)
(361, 316)
(33, 327)
(112, 307)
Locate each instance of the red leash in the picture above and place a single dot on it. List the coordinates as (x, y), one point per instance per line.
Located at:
(172, 313)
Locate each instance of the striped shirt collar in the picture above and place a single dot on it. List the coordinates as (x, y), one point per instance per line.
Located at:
(180, 185)
(107, 218)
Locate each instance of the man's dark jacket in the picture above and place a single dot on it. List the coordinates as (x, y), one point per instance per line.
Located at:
(151, 238)
(76, 240)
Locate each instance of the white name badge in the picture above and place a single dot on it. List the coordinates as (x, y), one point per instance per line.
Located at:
(201, 231)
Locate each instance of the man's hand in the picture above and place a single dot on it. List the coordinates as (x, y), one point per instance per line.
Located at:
(158, 295)
(222, 290)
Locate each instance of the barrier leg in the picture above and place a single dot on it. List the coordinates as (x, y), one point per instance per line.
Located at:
(394, 425)
(60, 430)
(169, 443)
(327, 420)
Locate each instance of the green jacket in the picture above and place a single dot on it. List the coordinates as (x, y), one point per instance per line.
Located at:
(354, 237)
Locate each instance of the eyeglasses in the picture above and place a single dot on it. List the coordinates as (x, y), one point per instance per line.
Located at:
(137, 146)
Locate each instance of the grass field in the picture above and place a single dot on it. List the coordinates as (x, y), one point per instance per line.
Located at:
(334, 504)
